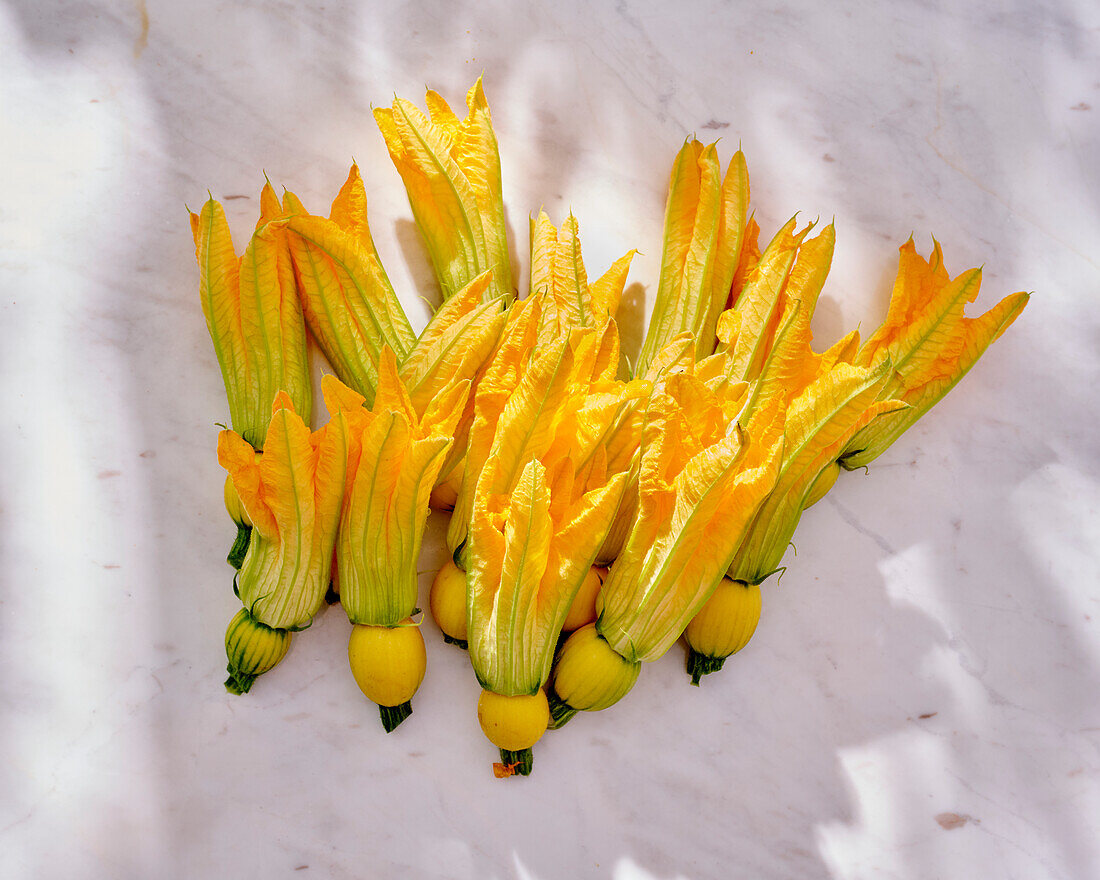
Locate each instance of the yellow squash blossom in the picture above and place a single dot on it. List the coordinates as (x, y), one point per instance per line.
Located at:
(348, 301)
(826, 400)
(702, 478)
(252, 313)
(393, 457)
(819, 423)
(292, 494)
(255, 322)
(502, 374)
(708, 240)
(458, 344)
(769, 341)
(929, 341)
(353, 312)
(530, 552)
(543, 503)
(559, 279)
(790, 269)
(546, 385)
(703, 475)
(626, 439)
(542, 388)
(451, 171)
(561, 300)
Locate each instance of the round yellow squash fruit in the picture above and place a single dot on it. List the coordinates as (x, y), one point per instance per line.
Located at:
(447, 602)
(445, 495)
(388, 662)
(583, 609)
(723, 626)
(252, 648)
(513, 723)
(589, 674)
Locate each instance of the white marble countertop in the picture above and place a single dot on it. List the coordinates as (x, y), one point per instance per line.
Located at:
(921, 698)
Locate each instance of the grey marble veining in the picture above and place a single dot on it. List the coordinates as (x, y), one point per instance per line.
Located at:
(920, 700)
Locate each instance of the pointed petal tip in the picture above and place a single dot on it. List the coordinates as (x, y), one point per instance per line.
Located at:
(282, 401)
(477, 92)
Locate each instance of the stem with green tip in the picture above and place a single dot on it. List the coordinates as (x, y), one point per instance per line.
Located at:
(520, 761)
(239, 682)
(393, 715)
(699, 665)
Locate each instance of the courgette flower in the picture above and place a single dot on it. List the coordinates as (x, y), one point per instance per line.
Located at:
(929, 342)
(709, 240)
(457, 344)
(348, 301)
(825, 399)
(704, 473)
(543, 503)
(393, 457)
(819, 422)
(703, 476)
(790, 269)
(451, 171)
(530, 552)
(495, 385)
(561, 301)
(253, 315)
(353, 312)
(292, 494)
(255, 322)
(543, 389)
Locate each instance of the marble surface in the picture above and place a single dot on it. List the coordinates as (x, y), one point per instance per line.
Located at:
(921, 699)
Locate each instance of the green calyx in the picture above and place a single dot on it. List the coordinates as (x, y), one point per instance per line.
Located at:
(240, 546)
(459, 556)
(560, 711)
(589, 674)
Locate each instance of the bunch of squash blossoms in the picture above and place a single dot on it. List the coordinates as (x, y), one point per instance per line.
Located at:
(598, 512)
